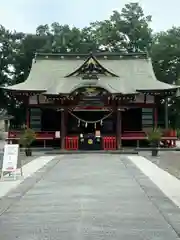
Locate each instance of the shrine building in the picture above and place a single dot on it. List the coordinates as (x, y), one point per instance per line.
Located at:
(91, 102)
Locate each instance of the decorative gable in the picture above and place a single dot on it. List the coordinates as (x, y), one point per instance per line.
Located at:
(91, 69)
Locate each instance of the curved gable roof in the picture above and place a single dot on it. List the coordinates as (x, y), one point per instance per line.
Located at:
(121, 75)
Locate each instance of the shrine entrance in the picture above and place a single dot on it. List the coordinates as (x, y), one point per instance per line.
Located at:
(91, 126)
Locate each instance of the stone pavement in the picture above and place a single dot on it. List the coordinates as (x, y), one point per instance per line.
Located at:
(8, 183)
(89, 197)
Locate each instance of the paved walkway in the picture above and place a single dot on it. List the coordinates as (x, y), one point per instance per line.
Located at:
(90, 197)
(8, 183)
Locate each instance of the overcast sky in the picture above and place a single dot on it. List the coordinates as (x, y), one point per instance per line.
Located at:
(26, 15)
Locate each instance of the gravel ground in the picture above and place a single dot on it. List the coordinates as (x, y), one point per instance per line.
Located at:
(168, 161)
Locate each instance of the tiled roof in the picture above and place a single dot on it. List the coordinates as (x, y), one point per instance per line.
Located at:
(134, 74)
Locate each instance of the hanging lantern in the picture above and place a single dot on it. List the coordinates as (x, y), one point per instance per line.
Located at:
(101, 122)
(86, 124)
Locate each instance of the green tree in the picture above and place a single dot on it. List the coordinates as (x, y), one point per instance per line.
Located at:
(133, 22)
(165, 55)
(127, 30)
(7, 44)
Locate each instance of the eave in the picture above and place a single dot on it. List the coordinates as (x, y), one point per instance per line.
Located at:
(159, 92)
(24, 92)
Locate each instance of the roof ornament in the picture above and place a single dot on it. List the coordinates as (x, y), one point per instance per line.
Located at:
(91, 61)
(90, 69)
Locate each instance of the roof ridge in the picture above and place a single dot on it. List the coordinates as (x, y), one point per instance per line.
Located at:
(93, 54)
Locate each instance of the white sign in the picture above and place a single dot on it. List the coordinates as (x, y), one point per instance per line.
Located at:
(10, 158)
(57, 134)
(98, 133)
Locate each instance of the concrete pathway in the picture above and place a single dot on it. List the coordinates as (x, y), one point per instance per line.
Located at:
(168, 184)
(91, 197)
(8, 183)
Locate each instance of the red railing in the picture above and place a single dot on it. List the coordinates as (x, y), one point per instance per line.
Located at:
(169, 137)
(109, 143)
(39, 135)
(138, 135)
(133, 135)
(71, 143)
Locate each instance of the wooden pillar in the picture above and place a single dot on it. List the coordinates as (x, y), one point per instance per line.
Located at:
(118, 128)
(166, 113)
(28, 112)
(66, 121)
(28, 117)
(155, 117)
(155, 112)
(63, 132)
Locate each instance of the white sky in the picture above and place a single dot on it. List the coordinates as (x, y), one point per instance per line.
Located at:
(26, 15)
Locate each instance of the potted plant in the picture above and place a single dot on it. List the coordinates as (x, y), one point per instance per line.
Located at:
(26, 139)
(154, 137)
